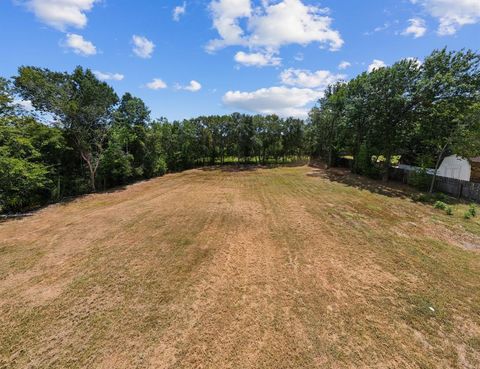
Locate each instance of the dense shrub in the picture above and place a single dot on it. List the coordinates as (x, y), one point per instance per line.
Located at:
(419, 179)
(440, 205)
(472, 210)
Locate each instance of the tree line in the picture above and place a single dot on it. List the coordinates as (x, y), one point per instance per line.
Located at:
(416, 112)
(82, 137)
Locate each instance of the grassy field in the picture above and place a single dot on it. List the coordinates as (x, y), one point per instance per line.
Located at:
(263, 268)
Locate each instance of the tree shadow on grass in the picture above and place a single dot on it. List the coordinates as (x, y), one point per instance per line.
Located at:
(10, 217)
(250, 167)
(344, 176)
(62, 202)
(390, 188)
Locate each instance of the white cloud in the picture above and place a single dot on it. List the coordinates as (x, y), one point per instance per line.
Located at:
(156, 84)
(61, 14)
(292, 22)
(381, 28)
(300, 89)
(193, 86)
(304, 78)
(376, 64)
(417, 61)
(299, 57)
(283, 101)
(271, 26)
(417, 28)
(178, 11)
(344, 65)
(257, 59)
(108, 76)
(143, 47)
(225, 15)
(452, 14)
(79, 45)
(24, 104)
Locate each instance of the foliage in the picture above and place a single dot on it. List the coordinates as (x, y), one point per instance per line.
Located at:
(23, 175)
(419, 179)
(422, 197)
(472, 210)
(441, 197)
(440, 205)
(96, 141)
(409, 112)
(82, 105)
(363, 163)
(420, 112)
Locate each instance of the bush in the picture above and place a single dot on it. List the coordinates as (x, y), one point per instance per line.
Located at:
(160, 167)
(449, 210)
(363, 162)
(440, 205)
(467, 215)
(441, 197)
(115, 166)
(419, 179)
(21, 183)
(472, 210)
(423, 197)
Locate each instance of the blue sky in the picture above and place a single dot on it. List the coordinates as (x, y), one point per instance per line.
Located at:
(195, 57)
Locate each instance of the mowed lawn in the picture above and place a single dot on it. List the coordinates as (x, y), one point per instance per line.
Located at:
(262, 268)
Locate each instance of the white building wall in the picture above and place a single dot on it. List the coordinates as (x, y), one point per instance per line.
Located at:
(455, 167)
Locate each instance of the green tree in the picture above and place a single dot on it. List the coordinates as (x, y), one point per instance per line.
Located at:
(245, 135)
(449, 90)
(293, 137)
(23, 176)
(327, 119)
(30, 154)
(80, 103)
(393, 99)
(154, 161)
(357, 117)
(131, 121)
(6, 101)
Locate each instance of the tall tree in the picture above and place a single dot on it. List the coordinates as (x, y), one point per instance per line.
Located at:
(449, 90)
(80, 104)
(5, 98)
(327, 119)
(393, 99)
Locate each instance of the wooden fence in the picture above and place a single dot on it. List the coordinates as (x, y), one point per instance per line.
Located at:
(455, 187)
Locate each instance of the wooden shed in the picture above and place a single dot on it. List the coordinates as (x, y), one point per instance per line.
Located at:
(475, 172)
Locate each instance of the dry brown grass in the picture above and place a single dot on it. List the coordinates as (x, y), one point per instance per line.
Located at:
(272, 268)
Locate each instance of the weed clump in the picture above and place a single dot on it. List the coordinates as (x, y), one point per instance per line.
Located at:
(440, 205)
(472, 210)
(422, 197)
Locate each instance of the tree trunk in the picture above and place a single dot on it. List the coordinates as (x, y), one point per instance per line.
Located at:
(329, 159)
(92, 168)
(437, 165)
(92, 180)
(386, 168)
